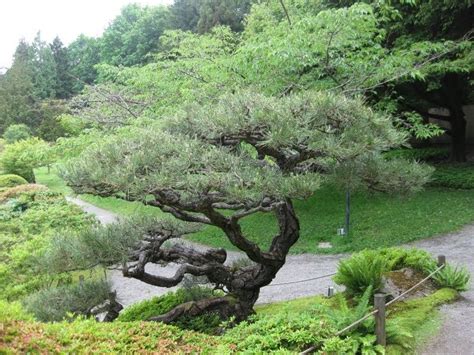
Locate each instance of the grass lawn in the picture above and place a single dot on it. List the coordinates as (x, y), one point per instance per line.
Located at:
(377, 220)
(121, 207)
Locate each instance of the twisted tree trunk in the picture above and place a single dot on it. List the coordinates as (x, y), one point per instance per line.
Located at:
(242, 284)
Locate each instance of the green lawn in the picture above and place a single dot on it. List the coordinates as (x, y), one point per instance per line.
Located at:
(377, 220)
(124, 208)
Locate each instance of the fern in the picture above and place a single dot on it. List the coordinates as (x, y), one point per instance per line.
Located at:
(452, 277)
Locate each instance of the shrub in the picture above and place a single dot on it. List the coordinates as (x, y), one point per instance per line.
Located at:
(280, 331)
(28, 223)
(16, 132)
(162, 304)
(17, 191)
(11, 180)
(22, 157)
(452, 277)
(457, 176)
(59, 303)
(424, 154)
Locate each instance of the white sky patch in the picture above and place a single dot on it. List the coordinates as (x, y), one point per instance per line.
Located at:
(64, 18)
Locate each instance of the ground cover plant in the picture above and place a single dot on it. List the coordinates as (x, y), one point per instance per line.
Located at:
(285, 327)
(30, 216)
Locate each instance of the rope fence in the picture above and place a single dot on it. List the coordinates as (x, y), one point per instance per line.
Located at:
(380, 306)
(305, 280)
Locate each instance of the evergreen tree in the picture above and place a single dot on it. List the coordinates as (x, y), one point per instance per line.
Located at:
(64, 81)
(44, 69)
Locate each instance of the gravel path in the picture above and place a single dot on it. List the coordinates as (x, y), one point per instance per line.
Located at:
(457, 332)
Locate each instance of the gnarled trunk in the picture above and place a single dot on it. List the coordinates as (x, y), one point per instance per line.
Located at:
(243, 284)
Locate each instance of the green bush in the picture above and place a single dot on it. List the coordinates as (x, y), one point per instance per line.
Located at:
(162, 304)
(59, 303)
(452, 277)
(280, 331)
(423, 154)
(11, 180)
(290, 329)
(16, 132)
(17, 191)
(28, 223)
(456, 176)
(22, 157)
(86, 336)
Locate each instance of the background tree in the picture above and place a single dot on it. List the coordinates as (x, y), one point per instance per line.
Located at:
(217, 164)
(134, 35)
(445, 83)
(63, 87)
(17, 98)
(185, 14)
(16, 132)
(84, 54)
(222, 13)
(44, 69)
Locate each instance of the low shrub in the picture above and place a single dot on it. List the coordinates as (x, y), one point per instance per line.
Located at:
(59, 303)
(452, 277)
(82, 336)
(16, 191)
(456, 176)
(28, 224)
(11, 180)
(281, 331)
(288, 329)
(423, 154)
(163, 304)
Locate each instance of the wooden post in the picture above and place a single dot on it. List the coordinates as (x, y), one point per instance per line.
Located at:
(81, 280)
(379, 303)
(330, 291)
(441, 260)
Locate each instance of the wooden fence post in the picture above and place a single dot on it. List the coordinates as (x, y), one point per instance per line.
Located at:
(441, 260)
(379, 303)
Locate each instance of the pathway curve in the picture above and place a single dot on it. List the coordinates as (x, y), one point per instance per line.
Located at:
(457, 332)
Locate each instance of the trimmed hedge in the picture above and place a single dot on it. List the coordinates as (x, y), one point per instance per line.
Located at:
(11, 180)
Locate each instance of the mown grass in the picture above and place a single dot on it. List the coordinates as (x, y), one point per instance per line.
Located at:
(377, 220)
(112, 204)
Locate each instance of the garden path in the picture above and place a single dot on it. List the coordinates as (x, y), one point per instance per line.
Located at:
(456, 335)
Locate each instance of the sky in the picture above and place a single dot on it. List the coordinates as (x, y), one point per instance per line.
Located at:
(64, 18)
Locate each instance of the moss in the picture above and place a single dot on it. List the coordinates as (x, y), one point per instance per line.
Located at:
(296, 305)
(410, 323)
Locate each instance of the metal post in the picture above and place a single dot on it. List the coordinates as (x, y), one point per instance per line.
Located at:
(348, 212)
(441, 260)
(379, 303)
(330, 291)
